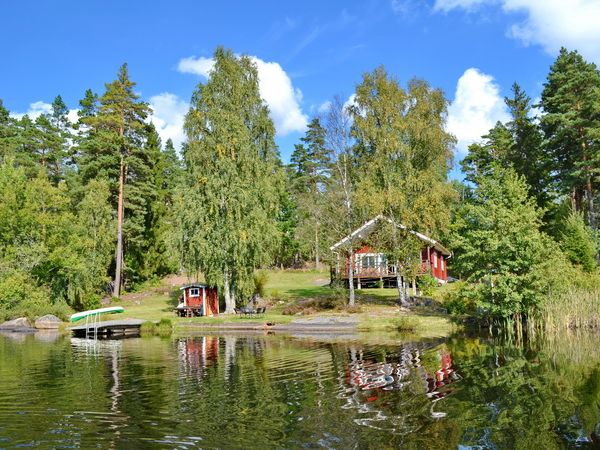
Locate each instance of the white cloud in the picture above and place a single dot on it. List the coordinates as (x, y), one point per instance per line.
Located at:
(168, 116)
(198, 66)
(35, 110)
(72, 115)
(40, 107)
(351, 101)
(476, 108)
(555, 23)
(276, 89)
(448, 5)
(548, 23)
(324, 107)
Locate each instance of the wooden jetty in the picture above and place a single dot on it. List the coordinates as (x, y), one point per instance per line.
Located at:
(109, 328)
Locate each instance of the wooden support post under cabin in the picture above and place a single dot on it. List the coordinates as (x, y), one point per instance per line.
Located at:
(414, 287)
(358, 283)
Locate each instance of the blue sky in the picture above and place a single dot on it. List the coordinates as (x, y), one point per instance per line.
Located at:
(306, 51)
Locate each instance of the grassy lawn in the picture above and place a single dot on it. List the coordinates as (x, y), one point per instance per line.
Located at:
(378, 312)
(297, 283)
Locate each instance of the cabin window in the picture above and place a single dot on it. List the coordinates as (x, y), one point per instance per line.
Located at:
(194, 292)
(434, 256)
(442, 263)
(368, 261)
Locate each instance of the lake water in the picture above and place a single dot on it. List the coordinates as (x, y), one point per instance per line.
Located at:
(266, 391)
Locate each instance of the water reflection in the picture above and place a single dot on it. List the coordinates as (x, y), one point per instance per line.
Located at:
(269, 391)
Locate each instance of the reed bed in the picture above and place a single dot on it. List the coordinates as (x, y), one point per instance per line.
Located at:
(575, 310)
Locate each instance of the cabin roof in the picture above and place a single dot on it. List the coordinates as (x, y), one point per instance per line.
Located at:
(198, 285)
(369, 226)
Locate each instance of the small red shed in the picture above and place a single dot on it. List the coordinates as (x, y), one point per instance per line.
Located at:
(199, 300)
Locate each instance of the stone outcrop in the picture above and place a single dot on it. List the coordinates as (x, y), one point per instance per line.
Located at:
(48, 322)
(20, 324)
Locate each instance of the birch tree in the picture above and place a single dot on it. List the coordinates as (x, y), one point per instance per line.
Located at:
(342, 216)
(227, 210)
(405, 154)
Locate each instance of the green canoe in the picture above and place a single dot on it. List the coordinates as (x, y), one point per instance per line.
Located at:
(96, 312)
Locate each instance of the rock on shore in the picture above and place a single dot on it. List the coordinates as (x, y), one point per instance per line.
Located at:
(20, 324)
(48, 322)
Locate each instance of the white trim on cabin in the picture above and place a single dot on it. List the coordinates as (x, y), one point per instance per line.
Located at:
(367, 226)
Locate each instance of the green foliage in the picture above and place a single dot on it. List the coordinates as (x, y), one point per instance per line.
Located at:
(261, 278)
(517, 144)
(41, 239)
(427, 284)
(164, 327)
(309, 173)
(148, 328)
(500, 248)
(578, 243)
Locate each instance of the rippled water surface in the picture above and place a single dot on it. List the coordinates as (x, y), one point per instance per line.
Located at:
(259, 391)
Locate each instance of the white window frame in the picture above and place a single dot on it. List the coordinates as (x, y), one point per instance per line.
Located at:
(435, 258)
(196, 290)
(377, 259)
(442, 262)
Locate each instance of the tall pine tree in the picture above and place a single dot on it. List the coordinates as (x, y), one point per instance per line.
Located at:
(571, 124)
(113, 148)
(311, 165)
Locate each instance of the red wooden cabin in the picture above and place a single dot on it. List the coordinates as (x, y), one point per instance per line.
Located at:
(372, 267)
(198, 300)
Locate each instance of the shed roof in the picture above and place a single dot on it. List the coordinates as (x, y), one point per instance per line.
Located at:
(198, 285)
(369, 226)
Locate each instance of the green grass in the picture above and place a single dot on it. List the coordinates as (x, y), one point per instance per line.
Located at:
(378, 312)
(297, 283)
(392, 321)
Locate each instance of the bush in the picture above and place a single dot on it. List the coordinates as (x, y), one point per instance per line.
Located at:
(406, 324)
(20, 296)
(164, 327)
(427, 284)
(356, 309)
(260, 283)
(148, 328)
(313, 305)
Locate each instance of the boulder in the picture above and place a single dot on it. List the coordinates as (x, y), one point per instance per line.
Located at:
(48, 322)
(20, 324)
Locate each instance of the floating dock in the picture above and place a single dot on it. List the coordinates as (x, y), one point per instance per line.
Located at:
(109, 328)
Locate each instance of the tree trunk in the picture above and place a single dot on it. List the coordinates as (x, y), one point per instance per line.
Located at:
(351, 299)
(317, 262)
(400, 286)
(590, 202)
(589, 192)
(228, 294)
(119, 255)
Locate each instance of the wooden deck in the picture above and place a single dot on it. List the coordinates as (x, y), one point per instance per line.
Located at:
(109, 328)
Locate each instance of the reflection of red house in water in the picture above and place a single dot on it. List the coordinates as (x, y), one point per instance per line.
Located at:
(376, 376)
(198, 353)
(443, 376)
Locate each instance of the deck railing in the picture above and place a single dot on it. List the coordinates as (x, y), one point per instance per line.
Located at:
(387, 270)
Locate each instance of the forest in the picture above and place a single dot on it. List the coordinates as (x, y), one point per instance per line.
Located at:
(95, 207)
